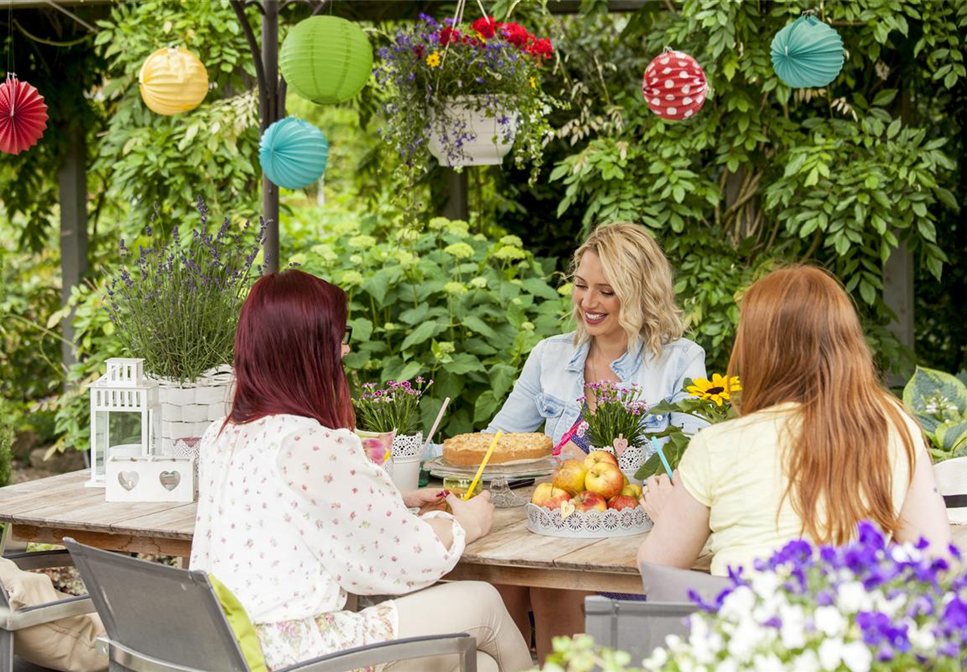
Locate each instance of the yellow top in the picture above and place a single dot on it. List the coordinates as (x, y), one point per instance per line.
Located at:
(735, 469)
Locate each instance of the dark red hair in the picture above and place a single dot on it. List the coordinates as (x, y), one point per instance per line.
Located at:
(288, 349)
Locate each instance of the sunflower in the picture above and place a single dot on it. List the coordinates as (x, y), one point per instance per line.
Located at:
(433, 60)
(719, 389)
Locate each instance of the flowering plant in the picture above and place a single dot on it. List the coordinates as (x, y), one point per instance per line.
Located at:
(395, 406)
(618, 415)
(866, 605)
(938, 400)
(708, 400)
(493, 67)
(178, 307)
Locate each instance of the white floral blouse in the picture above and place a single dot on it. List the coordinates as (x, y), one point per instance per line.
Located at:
(292, 516)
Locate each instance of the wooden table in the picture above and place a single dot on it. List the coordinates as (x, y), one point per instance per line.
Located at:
(49, 509)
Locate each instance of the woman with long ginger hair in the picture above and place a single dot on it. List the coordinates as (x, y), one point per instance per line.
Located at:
(292, 515)
(819, 444)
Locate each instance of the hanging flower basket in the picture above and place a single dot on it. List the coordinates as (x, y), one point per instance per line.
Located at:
(465, 93)
(475, 131)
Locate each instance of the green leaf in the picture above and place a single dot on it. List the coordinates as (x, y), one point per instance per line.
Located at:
(464, 363)
(929, 383)
(410, 371)
(362, 329)
(884, 97)
(538, 287)
(502, 377)
(422, 333)
(951, 435)
(486, 406)
(893, 128)
(414, 315)
(477, 325)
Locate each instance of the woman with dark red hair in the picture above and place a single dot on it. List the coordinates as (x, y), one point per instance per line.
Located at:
(292, 515)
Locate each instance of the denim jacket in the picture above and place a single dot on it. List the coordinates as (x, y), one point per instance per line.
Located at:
(553, 380)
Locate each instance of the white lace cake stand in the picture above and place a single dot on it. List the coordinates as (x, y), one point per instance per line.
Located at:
(497, 476)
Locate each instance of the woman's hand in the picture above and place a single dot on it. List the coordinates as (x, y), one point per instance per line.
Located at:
(658, 489)
(476, 515)
(430, 498)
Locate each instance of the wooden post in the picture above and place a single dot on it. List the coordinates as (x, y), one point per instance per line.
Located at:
(458, 206)
(73, 229)
(899, 296)
(271, 109)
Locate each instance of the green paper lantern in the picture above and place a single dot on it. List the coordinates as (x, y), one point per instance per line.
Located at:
(326, 59)
(807, 53)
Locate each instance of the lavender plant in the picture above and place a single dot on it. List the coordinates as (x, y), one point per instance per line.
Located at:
(490, 66)
(618, 413)
(178, 306)
(395, 406)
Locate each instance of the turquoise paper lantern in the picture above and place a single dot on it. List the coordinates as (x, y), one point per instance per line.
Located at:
(326, 59)
(807, 53)
(293, 153)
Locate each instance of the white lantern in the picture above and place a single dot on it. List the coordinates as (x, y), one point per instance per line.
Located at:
(125, 416)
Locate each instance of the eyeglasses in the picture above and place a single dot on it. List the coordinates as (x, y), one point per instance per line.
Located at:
(348, 335)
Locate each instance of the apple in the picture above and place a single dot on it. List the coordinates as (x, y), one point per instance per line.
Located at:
(632, 490)
(619, 502)
(605, 479)
(625, 477)
(586, 501)
(569, 476)
(549, 497)
(596, 456)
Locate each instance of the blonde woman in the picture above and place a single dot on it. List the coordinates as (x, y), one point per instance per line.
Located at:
(819, 444)
(628, 330)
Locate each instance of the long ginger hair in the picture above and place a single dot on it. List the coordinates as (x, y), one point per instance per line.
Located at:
(799, 340)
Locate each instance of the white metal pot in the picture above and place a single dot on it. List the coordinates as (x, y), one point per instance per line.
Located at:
(952, 480)
(187, 410)
(484, 138)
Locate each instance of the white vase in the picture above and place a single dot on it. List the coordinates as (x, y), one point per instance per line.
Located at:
(951, 478)
(187, 410)
(408, 446)
(483, 138)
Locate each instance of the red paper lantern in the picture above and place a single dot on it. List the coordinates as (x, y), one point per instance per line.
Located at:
(23, 115)
(674, 86)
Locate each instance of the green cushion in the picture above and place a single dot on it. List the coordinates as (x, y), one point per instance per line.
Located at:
(248, 639)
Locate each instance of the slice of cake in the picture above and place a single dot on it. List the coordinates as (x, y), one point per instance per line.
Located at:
(468, 450)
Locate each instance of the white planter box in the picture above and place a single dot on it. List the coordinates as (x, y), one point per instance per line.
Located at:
(188, 410)
(147, 479)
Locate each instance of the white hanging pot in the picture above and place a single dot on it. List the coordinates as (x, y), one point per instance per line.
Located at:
(475, 135)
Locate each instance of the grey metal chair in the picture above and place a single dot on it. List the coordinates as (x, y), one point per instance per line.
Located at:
(163, 619)
(640, 627)
(12, 621)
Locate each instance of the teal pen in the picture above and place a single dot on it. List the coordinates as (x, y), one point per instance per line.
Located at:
(664, 460)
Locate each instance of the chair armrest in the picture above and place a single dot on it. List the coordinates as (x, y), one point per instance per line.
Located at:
(400, 649)
(45, 613)
(42, 559)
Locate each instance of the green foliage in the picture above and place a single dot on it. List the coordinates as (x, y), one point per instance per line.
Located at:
(149, 160)
(617, 414)
(938, 400)
(441, 301)
(581, 654)
(396, 407)
(6, 428)
(839, 176)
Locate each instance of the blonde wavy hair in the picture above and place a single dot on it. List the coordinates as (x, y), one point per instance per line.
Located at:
(641, 277)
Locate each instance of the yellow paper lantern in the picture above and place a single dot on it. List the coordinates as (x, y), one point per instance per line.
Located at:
(173, 80)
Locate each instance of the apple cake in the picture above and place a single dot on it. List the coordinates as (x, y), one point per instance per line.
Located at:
(468, 450)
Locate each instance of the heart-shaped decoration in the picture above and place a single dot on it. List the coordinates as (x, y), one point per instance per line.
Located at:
(169, 480)
(128, 479)
(620, 445)
(567, 508)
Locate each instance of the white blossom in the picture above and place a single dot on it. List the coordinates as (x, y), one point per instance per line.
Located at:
(738, 604)
(831, 654)
(829, 621)
(857, 657)
(807, 661)
(744, 640)
(852, 598)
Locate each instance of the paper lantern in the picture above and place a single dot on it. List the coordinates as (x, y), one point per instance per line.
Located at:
(23, 115)
(807, 53)
(172, 81)
(674, 86)
(293, 153)
(326, 59)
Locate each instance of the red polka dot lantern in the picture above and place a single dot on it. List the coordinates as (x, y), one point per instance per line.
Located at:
(674, 86)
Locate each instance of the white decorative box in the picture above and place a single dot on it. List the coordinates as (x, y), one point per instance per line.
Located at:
(150, 479)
